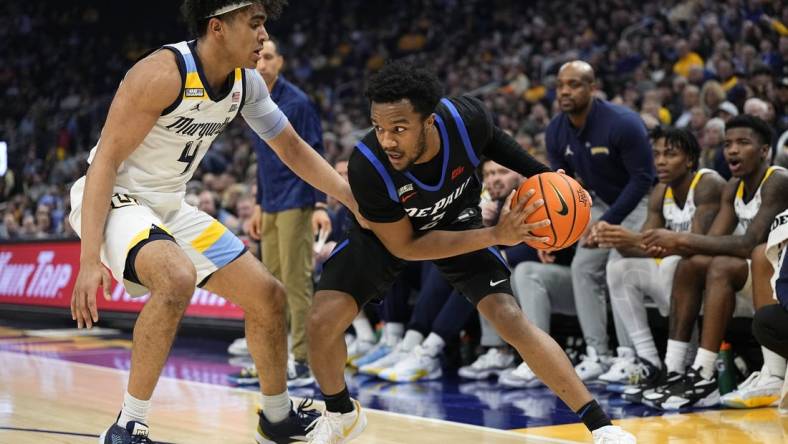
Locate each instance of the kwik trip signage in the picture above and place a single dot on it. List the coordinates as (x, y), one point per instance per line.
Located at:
(44, 273)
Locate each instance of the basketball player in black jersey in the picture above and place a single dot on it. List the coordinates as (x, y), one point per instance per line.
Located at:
(414, 178)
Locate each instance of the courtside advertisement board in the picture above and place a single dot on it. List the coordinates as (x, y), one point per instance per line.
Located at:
(44, 273)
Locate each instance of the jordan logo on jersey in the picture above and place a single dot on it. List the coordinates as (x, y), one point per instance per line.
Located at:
(186, 125)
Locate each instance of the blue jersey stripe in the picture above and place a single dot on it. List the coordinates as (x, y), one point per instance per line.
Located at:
(381, 170)
(466, 140)
(337, 249)
(497, 254)
(446, 149)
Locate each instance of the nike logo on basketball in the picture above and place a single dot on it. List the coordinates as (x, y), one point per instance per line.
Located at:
(493, 284)
(564, 207)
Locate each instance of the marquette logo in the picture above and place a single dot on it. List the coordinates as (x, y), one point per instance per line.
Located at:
(194, 92)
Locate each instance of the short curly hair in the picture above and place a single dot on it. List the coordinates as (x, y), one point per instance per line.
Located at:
(196, 12)
(679, 138)
(399, 80)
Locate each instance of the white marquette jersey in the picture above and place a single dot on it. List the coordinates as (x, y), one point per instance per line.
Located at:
(677, 218)
(159, 168)
(776, 246)
(746, 211)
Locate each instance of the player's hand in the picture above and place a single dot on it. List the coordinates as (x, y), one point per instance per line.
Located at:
(255, 223)
(512, 229)
(546, 256)
(321, 223)
(588, 238)
(660, 242)
(614, 236)
(92, 275)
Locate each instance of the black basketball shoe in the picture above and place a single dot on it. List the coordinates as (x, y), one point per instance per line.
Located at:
(690, 391)
(134, 433)
(292, 428)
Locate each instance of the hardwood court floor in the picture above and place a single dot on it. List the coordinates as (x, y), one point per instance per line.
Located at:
(46, 397)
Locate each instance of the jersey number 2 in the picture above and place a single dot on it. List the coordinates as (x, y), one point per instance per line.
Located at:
(188, 155)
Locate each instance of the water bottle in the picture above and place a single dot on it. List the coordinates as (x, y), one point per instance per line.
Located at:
(726, 376)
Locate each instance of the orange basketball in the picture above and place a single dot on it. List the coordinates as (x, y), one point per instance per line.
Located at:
(566, 204)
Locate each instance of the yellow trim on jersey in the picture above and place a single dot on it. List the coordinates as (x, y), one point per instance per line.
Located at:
(696, 179)
(668, 196)
(193, 87)
(769, 171)
(139, 237)
(209, 236)
(237, 74)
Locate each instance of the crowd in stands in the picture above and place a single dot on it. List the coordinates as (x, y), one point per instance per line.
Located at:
(680, 63)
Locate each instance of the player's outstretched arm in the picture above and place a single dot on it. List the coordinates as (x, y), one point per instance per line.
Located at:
(149, 87)
(400, 239)
(268, 121)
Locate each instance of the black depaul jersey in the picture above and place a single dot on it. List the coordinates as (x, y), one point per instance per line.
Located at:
(444, 192)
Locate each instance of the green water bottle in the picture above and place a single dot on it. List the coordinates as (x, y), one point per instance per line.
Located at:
(726, 374)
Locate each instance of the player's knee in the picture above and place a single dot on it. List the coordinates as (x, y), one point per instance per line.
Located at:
(177, 289)
(505, 313)
(273, 298)
(322, 320)
(721, 268)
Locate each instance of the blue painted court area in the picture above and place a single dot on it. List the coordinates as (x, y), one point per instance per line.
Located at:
(206, 360)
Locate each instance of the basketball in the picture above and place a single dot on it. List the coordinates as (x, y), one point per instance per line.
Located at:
(566, 204)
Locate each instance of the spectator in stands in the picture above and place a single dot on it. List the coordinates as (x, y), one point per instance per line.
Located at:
(606, 146)
(690, 98)
(210, 203)
(712, 148)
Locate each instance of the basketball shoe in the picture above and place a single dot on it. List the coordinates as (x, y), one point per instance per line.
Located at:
(134, 433)
(591, 366)
(247, 376)
(337, 428)
(357, 349)
(622, 369)
(380, 350)
(292, 428)
(691, 390)
(239, 347)
(492, 363)
(760, 389)
(418, 365)
(374, 368)
(520, 377)
(612, 435)
(298, 374)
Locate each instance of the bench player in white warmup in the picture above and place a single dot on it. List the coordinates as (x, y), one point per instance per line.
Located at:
(131, 215)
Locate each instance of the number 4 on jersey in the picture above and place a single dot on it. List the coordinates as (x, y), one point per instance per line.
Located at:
(188, 155)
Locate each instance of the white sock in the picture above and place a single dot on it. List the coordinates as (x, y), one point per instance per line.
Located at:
(276, 407)
(434, 344)
(774, 362)
(674, 357)
(645, 346)
(363, 329)
(411, 340)
(133, 410)
(392, 333)
(704, 361)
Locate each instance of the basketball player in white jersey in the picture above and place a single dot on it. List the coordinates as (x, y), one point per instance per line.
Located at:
(685, 200)
(718, 263)
(132, 217)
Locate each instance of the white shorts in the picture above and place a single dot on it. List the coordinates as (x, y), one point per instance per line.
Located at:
(654, 277)
(208, 244)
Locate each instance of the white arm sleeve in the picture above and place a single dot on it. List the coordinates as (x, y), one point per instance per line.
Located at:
(259, 110)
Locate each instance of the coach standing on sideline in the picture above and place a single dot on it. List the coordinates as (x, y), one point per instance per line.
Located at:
(607, 147)
(292, 210)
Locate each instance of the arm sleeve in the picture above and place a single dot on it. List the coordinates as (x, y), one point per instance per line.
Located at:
(632, 142)
(503, 149)
(370, 192)
(259, 110)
